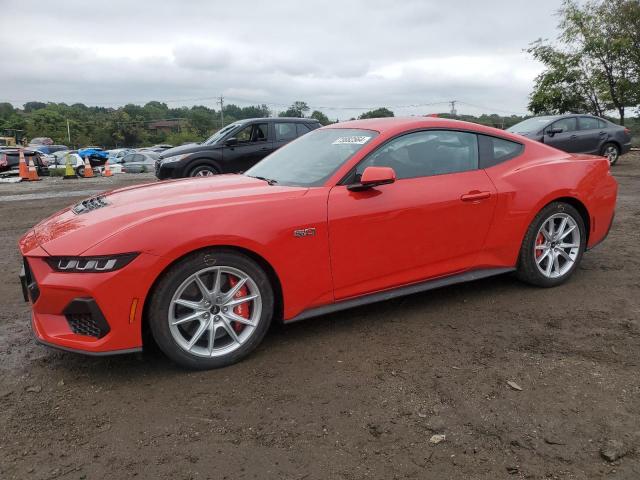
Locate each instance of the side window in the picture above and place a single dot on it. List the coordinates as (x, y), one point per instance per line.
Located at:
(588, 123)
(260, 132)
(244, 135)
(285, 131)
(302, 129)
(566, 124)
(497, 150)
(602, 124)
(422, 154)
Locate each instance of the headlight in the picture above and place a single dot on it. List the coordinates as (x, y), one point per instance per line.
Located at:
(107, 263)
(175, 158)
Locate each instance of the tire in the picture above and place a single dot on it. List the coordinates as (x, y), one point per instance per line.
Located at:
(212, 317)
(80, 171)
(611, 151)
(203, 170)
(540, 246)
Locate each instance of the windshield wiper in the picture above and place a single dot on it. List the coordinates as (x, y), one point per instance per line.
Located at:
(270, 181)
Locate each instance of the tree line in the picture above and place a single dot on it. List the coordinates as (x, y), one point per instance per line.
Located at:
(131, 125)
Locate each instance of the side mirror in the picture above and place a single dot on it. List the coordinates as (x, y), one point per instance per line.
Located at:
(231, 142)
(373, 177)
(552, 131)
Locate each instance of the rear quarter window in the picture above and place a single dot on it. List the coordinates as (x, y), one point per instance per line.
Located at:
(494, 150)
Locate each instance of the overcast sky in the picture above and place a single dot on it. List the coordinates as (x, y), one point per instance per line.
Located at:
(331, 54)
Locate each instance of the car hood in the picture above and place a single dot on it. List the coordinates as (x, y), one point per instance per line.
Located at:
(183, 149)
(76, 229)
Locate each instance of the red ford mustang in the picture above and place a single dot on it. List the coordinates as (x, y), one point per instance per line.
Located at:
(348, 214)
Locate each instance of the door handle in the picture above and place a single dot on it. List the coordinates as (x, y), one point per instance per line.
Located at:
(573, 136)
(475, 196)
(602, 134)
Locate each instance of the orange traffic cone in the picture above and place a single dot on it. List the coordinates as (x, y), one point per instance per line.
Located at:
(88, 171)
(107, 170)
(24, 170)
(33, 173)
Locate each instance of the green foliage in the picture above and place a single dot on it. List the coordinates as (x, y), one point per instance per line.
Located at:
(125, 126)
(297, 109)
(321, 117)
(595, 66)
(377, 113)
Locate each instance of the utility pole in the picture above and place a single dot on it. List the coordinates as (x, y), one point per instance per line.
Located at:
(221, 102)
(453, 108)
(68, 132)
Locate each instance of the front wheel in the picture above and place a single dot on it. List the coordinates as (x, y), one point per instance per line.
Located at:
(553, 246)
(612, 152)
(203, 171)
(211, 309)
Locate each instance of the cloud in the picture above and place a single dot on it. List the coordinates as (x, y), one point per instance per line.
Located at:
(331, 54)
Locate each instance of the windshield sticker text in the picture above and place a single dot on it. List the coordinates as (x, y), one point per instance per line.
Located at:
(353, 140)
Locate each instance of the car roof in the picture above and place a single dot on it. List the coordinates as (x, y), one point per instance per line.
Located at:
(394, 125)
(279, 119)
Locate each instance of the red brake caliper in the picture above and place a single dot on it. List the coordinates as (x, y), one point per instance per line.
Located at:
(243, 309)
(539, 241)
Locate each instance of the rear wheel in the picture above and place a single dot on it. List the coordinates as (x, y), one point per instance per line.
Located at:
(211, 309)
(80, 171)
(203, 171)
(612, 152)
(553, 246)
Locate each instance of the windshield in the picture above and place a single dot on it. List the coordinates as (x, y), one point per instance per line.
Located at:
(311, 159)
(531, 125)
(219, 134)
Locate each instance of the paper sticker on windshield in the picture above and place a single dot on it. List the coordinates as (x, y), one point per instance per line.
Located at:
(352, 140)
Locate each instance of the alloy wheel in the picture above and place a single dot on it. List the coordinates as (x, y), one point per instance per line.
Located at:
(204, 173)
(611, 152)
(557, 245)
(215, 311)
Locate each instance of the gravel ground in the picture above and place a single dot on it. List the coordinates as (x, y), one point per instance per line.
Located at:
(356, 394)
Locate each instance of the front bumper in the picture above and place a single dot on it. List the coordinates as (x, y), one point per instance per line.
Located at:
(168, 170)
(92, 313)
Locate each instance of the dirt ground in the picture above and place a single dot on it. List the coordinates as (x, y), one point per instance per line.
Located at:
(356, 394)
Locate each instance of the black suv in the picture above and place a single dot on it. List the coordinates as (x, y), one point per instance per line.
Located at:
(233, 149)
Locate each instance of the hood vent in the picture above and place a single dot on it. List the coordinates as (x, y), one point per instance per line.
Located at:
(89, 205)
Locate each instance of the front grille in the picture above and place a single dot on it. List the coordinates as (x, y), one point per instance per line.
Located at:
(85, 318)
(83, 324)
(89, 205)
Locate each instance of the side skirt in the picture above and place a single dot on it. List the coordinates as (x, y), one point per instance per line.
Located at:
(400, 292)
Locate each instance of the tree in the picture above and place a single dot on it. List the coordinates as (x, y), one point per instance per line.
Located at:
(321, 117)
(567, 85)
(596, 66)
(377, 113)
(297, 109)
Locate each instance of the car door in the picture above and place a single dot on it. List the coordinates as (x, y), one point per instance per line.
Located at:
(590, 135)
(432, 221)
(566, 139)
(253, 144)
(284, 133)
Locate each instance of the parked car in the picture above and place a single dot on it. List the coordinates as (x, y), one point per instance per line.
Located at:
(49, 149)
(161, 147)
(117, 154)
(349, 214)
(578, 134)
(139, 162)
(234, 148)
(10, 161)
